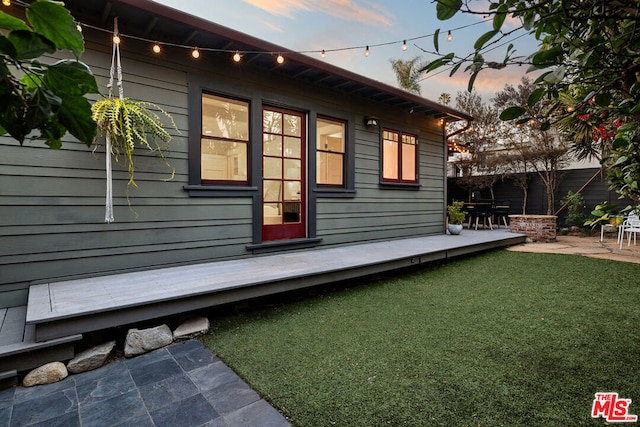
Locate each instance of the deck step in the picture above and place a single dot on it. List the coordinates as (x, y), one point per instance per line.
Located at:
(19, 350)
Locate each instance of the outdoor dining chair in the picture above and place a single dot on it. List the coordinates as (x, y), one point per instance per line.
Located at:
(501, 211)
(630, 226)
(484, 211)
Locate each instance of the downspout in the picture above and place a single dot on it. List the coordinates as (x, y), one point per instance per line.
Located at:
(467, 126)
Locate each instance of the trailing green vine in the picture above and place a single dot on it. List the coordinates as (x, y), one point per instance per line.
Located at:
(130, 123)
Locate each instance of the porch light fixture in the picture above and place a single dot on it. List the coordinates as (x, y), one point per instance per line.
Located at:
(371, 121)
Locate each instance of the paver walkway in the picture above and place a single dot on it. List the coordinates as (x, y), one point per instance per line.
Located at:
(178, 386)
(589, 246)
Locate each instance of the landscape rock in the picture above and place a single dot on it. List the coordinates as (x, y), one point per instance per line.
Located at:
(192, 328)
(91, 359)
(141, 341)
(46, 374)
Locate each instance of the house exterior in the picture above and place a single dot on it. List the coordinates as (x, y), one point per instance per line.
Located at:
(270, 157)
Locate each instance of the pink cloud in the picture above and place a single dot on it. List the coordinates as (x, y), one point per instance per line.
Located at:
(347, 10)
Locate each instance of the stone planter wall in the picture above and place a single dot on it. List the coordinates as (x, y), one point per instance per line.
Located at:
(538, 228)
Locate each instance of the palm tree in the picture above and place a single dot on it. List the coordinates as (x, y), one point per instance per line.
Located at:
(444, 98)
(407, 73)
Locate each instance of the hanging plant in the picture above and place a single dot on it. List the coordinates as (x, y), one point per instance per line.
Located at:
(129, 123)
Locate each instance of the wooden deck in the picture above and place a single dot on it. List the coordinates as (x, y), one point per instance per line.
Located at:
(63, 309)
(18, 348)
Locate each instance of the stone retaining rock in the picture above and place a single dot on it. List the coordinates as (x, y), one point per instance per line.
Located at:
(141, 341)
(192, 328)
(46, 374)
(91, 359)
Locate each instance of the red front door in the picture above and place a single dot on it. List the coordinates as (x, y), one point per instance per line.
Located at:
(283, 174)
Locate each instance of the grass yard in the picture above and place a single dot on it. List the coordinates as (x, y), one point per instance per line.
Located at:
(499, 339)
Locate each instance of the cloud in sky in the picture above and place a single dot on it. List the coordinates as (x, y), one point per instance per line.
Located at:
(347, 10)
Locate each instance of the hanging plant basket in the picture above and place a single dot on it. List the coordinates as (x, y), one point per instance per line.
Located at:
(129, 124)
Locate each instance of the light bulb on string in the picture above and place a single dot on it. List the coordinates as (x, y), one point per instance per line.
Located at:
(404, 45)
(366, 51)
(237, 57)
(116, 39)
(195, 53)
(449, 36)
(6, 2)
(322, 53)
(156, 48)
(78, 25)
(280, 59)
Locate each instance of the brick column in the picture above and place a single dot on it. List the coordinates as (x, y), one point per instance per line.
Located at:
(538, 228)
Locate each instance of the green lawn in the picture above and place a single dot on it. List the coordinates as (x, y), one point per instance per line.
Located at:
(502, 338)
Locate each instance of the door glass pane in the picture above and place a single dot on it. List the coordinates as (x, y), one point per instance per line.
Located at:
(272, 145)
(272, 168)
(291, 212)
(272, 122)
(292, 147)
(272, 191)
(272, 213)
(292, 190)
(291, 169)
(292, 125)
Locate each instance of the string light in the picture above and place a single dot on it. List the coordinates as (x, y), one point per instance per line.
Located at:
(6, 2)
(78, 25)
(195, 52)
(237, 57)
(156, 48)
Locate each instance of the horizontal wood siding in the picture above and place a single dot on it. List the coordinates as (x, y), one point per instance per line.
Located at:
(381, 212)
(52, 202)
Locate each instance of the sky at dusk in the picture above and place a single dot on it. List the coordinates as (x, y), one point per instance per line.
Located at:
(308, 25)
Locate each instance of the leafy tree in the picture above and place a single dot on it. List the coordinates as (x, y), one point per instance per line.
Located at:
(530, 143)
(408, 73)
(48, 98)
(481, 167)
(587, 53)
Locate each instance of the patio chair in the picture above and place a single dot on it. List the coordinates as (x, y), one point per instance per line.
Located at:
(501, 211)
(630, 226)
(484, 211)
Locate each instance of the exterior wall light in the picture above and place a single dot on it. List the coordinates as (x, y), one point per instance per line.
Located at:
(371, 121)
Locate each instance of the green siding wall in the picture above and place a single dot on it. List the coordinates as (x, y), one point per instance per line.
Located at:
(52, 202)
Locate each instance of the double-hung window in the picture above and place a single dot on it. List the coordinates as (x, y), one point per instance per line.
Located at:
(399, 157)
(330, 152)
(224, 141)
